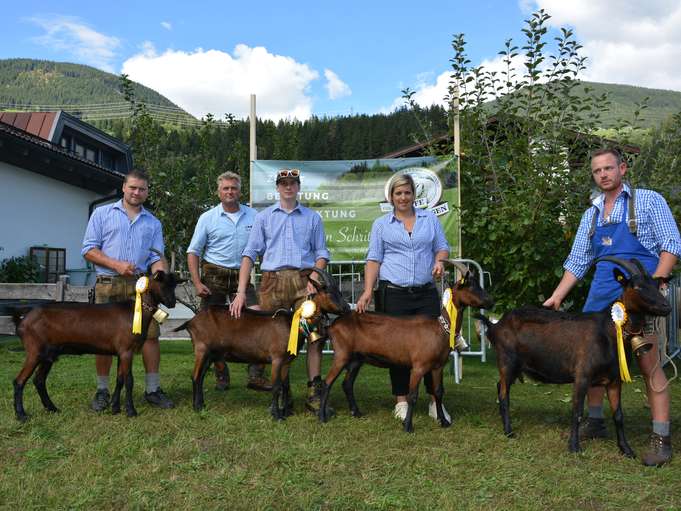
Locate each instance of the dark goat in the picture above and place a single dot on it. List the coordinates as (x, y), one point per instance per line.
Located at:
(418, 342)
(558, 347)
(82, 328)
(257, 337)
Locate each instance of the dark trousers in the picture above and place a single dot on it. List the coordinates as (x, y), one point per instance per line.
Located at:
(407, 302)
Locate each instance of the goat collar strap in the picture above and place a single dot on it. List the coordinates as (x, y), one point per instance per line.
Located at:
(619, 316)
(448, 302)
(141, 286)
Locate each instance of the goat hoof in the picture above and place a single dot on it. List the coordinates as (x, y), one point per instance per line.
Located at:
(22, 417)
(408, 428)
(356, 414)
(198, 407)
(53, 409)
(131, 413)
(510, 434)
(115, 410)
(628, 452)
(445, 423)
(575, 449)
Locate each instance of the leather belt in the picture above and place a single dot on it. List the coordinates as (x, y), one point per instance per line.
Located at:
(109, 279)
(407, 289)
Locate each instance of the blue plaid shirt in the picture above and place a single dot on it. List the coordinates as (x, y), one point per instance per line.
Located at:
(657, 230)
(111, 231)
(406, 260)
(220, 241)
(287, 240)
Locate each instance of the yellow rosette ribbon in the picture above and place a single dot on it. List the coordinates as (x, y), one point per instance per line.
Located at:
(619, 317)
(448, 302)
(305, 311)
(140, 287)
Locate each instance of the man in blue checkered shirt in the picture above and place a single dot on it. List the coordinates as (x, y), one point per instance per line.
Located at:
(656, 243)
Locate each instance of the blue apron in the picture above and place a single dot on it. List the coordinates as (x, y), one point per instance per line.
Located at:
(614, 240)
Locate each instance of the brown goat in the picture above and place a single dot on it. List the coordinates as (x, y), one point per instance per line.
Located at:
(257, 337)
(559, 347)
(418, 342)
(55, 329)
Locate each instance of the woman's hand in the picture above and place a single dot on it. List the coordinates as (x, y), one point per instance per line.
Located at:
(438, 269)
(363, 302)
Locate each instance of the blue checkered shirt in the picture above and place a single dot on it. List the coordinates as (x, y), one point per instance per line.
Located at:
(657, 230)
(287, 240)
(406, 260)
(111, 231)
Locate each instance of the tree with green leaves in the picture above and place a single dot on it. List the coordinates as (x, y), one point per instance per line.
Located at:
(524, 173)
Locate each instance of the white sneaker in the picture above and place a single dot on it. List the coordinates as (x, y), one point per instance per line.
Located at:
(432, 411)
(400, 411)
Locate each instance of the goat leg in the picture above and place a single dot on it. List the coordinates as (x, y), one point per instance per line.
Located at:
(414, 382)
(120, 380)
(340, 360)
(614, 390)
(286, 397)
(277, 390)
(129, 384)
(40, 384)
(579, 390)
(19, 402)
(200, 370)
(20, 381)
(504, 397)
(352, 370)
(438, 391)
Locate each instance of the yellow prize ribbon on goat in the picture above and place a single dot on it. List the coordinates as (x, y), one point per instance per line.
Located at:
(448, 299)
(619, 317)
(140, 287)
(293, 335)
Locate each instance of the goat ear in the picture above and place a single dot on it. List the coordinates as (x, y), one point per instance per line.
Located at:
(620, 276)
(159, 275)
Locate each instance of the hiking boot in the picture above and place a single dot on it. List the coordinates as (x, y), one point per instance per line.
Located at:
(314, 397)
(101, 400)
(660, 451)
(592, 428)
(221, 377)
(259, 383)
(158, 398)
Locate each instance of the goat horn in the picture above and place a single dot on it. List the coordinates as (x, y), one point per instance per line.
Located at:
(627, 265)
(639, 266)
(157, 252)
(456, 264)
(326, 278)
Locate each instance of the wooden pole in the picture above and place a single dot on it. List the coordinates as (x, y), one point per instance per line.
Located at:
(457, 154)
(253, 149)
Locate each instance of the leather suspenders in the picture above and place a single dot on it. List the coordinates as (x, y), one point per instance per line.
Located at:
(631, 215)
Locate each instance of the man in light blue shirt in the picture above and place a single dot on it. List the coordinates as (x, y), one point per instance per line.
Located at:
(119, 240)
(288, 237)
(219, 239)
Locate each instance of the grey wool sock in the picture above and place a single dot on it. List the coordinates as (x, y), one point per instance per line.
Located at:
(596, 412)
(661, 428)
(102, 382)
(152, 382)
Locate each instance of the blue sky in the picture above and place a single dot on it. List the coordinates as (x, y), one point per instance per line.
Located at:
(328, 58)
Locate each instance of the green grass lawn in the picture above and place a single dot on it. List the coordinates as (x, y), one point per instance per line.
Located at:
(233, 456)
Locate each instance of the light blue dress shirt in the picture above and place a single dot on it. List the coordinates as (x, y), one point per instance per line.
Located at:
(406, 260)
(218, 240)
(657, 230)
(111, 231)
(287, 240)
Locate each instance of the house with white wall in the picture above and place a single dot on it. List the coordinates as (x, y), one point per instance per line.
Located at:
(54, 170)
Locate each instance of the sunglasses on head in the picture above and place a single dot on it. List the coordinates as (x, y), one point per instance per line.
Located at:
(288, 173)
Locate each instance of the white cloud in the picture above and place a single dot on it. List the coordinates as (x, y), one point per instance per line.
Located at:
(213, 81)
(167, 25)
(71, 35)
(336, 87)
(636, 43)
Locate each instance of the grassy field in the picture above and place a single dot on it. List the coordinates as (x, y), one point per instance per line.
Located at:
(233, 456)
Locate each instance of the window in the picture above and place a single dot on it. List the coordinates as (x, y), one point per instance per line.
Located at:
(90, 154)
(51, 261)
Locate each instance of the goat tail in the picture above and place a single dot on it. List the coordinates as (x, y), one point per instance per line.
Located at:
(488, 325)
(18, 314)
(183, 326)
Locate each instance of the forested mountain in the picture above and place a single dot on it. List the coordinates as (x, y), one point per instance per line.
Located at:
(47, 85)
